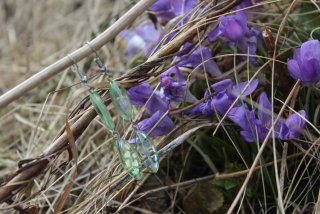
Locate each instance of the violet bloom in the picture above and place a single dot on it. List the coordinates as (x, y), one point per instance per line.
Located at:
(164, 127)
(228, 92)
(238, 115)
(144, 38)
(181, 7)
(233, 30)
(293, 126)
(140, 94)
(161, 8)
(260, 127)
(305, 63)
(175, 90)
(195, 59)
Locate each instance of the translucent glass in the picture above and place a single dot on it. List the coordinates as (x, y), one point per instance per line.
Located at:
(102, 110)
(129, 159)
(121, 100)
(147, 151)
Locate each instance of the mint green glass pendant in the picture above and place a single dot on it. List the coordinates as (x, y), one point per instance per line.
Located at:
(101, 110)
(129, 159)
(121, 100)
(147, 150)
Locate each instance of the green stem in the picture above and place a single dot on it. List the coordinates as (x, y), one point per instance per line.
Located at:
(306, 105)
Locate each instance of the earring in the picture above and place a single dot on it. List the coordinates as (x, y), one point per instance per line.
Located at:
(128, 157)
(133, 157)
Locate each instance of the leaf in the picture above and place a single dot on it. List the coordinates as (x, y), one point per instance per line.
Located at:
(203, 198)
(248, 191)
(220, 183)
(231, 182)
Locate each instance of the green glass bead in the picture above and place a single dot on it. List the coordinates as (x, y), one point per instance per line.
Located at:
(102, 110)
(129, 159)
(147, 150)
(121, 100)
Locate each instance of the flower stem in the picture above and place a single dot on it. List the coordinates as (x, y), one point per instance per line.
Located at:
(306, 105)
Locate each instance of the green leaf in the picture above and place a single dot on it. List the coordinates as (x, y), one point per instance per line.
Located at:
(203, 198)
(249, 191)
(220, 183)
(231, 182)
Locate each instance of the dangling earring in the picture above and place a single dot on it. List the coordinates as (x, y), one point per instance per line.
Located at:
(128, 156)
(122, 103)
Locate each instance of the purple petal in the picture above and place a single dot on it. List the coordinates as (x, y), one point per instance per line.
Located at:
(222, 85)
(155, 104)
(210, 66)
(160, 5)
(296, 124)
(297, 54)
(238, 115)
(284, 131)
(196, 110)
(175, 70)
(214, 34)
(164, 127)
(242, 85)
(140, 94)
(222, 102)
(241, 18)
(207, 107)
(313, 46)
(265, 108)
(165, 81)
(294, 69)
(247, 136)
(232, 30)
(148, 33)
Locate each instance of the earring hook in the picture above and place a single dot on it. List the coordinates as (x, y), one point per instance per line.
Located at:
(75, 68)
(97, 60)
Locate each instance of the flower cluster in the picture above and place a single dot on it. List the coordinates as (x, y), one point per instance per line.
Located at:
(232, 30)
(258, 128)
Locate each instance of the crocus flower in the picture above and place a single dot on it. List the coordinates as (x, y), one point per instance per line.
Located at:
(228, 92)
(164, 127)
(195, 59)
(181, 7)
(161, 8)
(144, 38)
(233, 30)
(293, 126)
(140, 94)
(238, 115)
(175, 90)
(305, 63)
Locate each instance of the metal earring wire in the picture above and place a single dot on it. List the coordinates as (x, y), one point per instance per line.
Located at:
(97, 60)
(75, 68)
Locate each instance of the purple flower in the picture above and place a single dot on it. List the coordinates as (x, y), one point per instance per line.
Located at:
(181, 7)
(228, 92)
(233, 30)
(161, 8)
(140, 94)
(164, 127)
(144, 38)
(175, 90)
(290, 128)
(195, 59)
(293, 126)
(238, 115)
(305, 63)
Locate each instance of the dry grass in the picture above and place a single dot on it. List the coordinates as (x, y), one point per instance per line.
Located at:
(36, 34)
